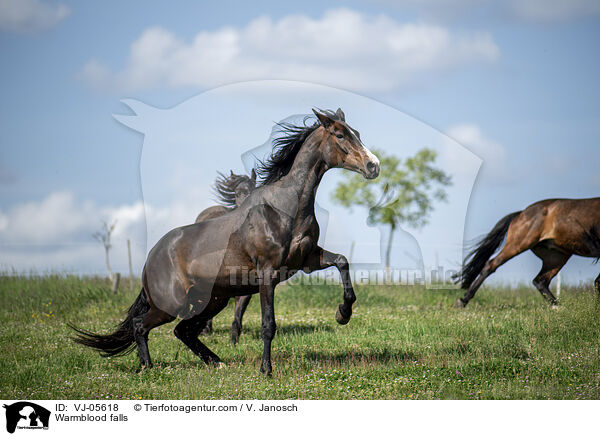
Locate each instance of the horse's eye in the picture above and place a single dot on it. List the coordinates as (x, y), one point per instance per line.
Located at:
(339, 136)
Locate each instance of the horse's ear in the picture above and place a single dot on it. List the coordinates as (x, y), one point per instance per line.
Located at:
(253, 175)
(323, 119)
(340, 114)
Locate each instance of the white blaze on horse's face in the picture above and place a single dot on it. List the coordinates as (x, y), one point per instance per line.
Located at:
(345, 148)
(360, 158)
(373, 164)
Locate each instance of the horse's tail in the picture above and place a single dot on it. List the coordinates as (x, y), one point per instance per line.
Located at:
(476, 259)
(121, 341)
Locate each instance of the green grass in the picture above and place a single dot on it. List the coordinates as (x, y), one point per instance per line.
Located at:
(401, 343)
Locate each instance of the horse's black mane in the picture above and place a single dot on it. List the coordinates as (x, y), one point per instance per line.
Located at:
(226, 186)
(286, 147)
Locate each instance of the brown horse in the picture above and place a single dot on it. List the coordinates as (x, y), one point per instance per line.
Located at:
(193, 270)
(231, 191)
(553, 229)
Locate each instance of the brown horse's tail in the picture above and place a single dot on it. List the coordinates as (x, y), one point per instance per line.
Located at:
(476, 259)
(121, 341)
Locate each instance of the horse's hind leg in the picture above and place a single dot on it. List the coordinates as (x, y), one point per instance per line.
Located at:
(241, 304)
(521, 235)
(553, 261)
(187, 330)
(597, 285)
(509, 251)
(142, 324)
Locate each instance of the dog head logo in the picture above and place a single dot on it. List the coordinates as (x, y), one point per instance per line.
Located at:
(26, 415)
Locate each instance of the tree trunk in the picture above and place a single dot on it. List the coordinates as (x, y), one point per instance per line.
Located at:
(388, 252)
(110, 273)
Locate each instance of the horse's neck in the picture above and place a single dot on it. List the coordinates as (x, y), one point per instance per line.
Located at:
(304, 178)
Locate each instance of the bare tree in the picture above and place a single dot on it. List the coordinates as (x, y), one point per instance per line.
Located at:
(103, 237)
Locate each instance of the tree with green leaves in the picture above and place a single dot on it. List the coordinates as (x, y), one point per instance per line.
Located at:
(404, 192)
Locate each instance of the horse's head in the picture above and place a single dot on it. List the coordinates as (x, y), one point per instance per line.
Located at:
(243, 187)
(342, 147)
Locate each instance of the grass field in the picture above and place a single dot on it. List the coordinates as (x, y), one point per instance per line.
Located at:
(402, 343)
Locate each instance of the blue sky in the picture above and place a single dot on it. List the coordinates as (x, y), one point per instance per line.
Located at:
(514, 82)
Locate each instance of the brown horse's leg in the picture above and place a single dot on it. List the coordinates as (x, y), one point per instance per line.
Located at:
(321, 259)
(512, 248)
(241, 304)
(553, 261)
(142, 325)
(187, 330)
(597, 285)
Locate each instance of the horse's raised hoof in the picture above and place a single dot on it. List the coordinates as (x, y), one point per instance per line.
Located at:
(340, 318)
(460, 304)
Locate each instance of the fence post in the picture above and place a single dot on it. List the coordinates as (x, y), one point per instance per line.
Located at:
(116, 280)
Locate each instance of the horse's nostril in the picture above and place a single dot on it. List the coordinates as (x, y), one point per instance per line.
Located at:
(373, 169)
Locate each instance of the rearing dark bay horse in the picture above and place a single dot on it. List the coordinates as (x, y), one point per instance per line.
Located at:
(193, 270)
(553, 229)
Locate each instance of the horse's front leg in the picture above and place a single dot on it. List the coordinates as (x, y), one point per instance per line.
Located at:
(320, 259)
(267, 293)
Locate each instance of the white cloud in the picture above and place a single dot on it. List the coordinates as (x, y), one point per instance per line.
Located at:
(492, 153)
(472, 137)
(55, 233)
(343, 48)
(51, 220)
(29, 16)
